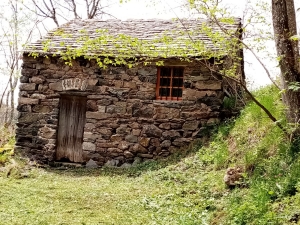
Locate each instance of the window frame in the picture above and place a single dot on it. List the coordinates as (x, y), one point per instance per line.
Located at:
(158, 85)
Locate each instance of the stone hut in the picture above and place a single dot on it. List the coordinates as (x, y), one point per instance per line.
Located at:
(84, 111)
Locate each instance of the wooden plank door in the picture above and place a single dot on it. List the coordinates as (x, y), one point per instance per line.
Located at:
(70, 128)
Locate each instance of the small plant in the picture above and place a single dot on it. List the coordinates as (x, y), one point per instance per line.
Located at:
(7, 142)
(229, 102)
(5, 153)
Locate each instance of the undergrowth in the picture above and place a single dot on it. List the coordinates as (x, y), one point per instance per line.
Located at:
(270, 163)
(7, 142)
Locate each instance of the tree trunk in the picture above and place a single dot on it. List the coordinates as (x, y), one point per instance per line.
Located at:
(284, 23)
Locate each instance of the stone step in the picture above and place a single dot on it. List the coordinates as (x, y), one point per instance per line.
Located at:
(67, 164)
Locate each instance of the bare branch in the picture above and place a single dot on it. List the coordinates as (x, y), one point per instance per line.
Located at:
(50, 13)
(3, 93)
(216, 21)
(74, 9)
(244, 86)
(87, 8)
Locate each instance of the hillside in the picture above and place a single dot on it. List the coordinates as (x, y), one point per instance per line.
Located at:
(187, 188)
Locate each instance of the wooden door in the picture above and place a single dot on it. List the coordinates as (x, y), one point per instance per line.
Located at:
(70, 128)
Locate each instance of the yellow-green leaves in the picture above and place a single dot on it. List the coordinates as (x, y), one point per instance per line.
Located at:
(295, 38)
(180, 39)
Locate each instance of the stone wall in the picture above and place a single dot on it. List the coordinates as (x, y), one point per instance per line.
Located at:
(123, 119)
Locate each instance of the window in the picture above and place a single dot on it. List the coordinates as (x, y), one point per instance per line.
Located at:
(169, 83)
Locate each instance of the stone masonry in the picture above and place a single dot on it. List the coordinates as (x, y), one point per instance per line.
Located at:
(123, 119)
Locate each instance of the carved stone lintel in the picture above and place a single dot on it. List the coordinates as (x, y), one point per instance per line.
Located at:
(74, 84)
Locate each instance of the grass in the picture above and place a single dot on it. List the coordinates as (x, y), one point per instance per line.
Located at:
(153, 193)
(76, 197)
(185, 189)
(63, 199)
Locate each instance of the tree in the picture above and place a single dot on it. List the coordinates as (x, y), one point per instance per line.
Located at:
(12, 25)
(66, 10)
(215, 12)
(285, 28)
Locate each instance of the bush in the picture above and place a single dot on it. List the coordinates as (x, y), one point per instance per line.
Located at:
(7, 142)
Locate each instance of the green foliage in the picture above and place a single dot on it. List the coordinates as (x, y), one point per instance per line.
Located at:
(121, 49)
(217, 153)
(229, 102)
(7, 142)
(294, 86)
(270, 162)
(5, 154)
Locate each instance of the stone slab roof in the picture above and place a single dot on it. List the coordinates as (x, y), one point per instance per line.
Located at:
(73, 34)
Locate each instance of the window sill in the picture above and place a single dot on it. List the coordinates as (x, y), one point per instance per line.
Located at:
(169, 99)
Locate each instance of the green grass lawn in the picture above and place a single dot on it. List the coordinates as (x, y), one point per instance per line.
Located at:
(76, 196)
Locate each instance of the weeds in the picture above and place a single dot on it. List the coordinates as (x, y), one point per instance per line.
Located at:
(7, 142)
(271, 163)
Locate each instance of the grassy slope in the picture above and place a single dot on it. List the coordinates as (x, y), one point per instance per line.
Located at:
(182, 190)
